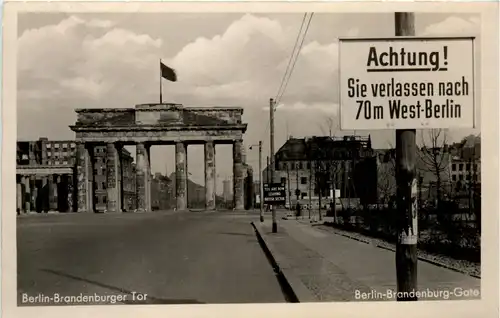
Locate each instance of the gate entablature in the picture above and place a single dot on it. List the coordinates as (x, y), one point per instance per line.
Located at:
(149, 124)
(161, 123)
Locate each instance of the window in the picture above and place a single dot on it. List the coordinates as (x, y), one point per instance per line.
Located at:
(454, 167)
(454, 177)
(65, 145)
(308, 165)
(467, 167)
(300, 165)
(56, 145)
(461, 167)
(461, 177)
(468, 177)
(103, 185)
(303, 180)
(49, 154)
(104, 200)
(65, 162)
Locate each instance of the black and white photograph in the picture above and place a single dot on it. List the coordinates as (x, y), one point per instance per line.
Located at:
(250, 157)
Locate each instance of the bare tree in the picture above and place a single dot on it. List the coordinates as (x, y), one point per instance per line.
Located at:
(434, 156)
(386, 174)
(329, 126)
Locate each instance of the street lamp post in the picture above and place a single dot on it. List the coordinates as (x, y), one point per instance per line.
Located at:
(260, 181)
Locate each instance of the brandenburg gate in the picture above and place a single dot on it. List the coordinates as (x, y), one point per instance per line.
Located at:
(156, 124)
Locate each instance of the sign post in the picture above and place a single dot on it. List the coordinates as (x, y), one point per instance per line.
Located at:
(407, 220)
(274, 194)
(406, 83)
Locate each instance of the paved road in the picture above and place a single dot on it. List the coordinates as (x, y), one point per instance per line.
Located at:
(172, 257)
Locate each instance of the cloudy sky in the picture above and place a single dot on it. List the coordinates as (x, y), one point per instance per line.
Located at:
(68, 61)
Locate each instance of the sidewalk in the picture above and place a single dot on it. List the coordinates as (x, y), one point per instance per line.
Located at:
(323, 266)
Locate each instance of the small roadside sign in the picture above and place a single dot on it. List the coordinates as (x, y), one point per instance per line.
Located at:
(274, 193)
(406, 83)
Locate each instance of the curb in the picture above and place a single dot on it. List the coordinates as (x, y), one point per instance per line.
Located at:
(295, 290)
(420, 258)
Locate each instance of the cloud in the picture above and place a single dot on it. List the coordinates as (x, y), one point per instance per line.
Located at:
(454, 26)
(81, 62)
(93, 63)
(83, 59)
(353, 32)
(328, 108)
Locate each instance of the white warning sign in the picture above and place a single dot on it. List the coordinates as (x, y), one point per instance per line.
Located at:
(406, 83)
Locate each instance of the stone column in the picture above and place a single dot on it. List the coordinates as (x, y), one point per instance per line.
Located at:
(53, 192)
(45, 193)
(210, 175)
(82, 177)
(148, 179)
(181, 175)
(69, 188)
(27, 194)
(112, 186)
(119, 201)
(34, 192)
(19, 190)
(141, 178)
(238, 175)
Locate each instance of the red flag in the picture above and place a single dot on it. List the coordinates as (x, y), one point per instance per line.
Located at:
(168, 73)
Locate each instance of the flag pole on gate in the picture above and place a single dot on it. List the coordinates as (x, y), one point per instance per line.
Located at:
(167, 73)
(161, 97)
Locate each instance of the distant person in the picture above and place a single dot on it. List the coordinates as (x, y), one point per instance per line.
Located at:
(297, 214)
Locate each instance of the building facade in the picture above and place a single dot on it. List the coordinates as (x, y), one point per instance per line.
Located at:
(454, 170)
(128, 169)
(46, 176)
(320, 168)
(161, 193)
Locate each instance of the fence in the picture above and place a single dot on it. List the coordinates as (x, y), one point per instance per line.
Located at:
(447, 230)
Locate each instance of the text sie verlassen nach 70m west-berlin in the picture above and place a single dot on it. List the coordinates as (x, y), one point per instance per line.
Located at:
(431, 100)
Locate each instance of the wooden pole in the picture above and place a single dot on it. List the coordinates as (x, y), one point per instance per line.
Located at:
(267, 171)
(288, 186)
(271, 123)
(261, 190)
(407, 204)
(297, 182)
(310, 186)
